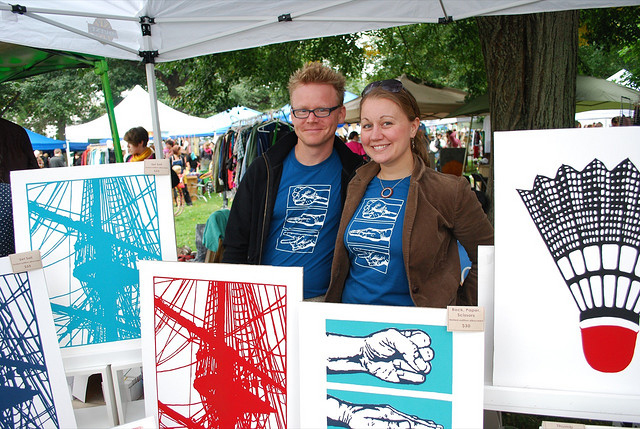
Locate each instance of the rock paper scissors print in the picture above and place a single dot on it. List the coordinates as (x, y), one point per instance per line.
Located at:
(91, 233)
(307, 207)
(397, 357)
(220, 353)
(590, 223)
(370, 232)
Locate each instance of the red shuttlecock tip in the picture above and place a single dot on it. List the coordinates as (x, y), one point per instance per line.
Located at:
(609, 347)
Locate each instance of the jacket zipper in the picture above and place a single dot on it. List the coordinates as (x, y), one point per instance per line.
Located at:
(264, 215)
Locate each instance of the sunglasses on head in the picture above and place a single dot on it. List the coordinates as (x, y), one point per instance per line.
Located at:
(391, 85)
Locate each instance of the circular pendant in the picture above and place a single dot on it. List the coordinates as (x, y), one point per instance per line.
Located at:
(386, 192)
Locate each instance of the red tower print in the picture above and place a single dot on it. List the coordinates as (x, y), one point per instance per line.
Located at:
(220, 354)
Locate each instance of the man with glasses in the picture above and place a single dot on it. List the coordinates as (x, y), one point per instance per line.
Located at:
(288, 205)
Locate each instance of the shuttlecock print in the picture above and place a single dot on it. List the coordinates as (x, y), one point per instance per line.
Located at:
(590, 222)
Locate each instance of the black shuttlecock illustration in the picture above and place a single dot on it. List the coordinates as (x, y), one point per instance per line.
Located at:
(590, 222)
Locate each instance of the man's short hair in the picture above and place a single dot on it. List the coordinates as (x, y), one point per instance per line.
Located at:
(57, 151)
(136, 135)
(315, 72)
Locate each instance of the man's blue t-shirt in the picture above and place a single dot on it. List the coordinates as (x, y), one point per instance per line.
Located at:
(305, 220)
(374, 241)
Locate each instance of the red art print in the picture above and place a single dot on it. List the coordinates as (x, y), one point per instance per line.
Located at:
(220, 354)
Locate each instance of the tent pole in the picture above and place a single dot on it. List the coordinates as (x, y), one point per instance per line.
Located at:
(101, 68)
(153, 99)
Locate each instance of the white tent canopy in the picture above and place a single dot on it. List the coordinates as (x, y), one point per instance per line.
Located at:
(135, 111)
(184, 28)
(223, 120)
(167, 30)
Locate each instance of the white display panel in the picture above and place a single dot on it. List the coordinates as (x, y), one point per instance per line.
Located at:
(543, 351)
(219, 344)
(446, 392)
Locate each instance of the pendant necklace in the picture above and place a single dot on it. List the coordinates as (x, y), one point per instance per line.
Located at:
(388, 191)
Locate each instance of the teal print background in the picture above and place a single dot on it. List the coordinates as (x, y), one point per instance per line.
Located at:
(439, 380)
(425, 409)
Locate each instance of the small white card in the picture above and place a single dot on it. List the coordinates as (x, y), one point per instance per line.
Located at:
(25, 261)
(156, 167)
(465, 318)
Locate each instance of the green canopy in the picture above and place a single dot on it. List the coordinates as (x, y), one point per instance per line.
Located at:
(592, 93)
(19, 62)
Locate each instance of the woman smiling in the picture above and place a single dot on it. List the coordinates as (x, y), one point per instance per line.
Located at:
(397, 242)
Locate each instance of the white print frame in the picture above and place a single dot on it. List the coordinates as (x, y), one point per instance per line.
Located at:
(537, 341)
(92, 224)
(451, 394)
(28, 327)
(178, 332)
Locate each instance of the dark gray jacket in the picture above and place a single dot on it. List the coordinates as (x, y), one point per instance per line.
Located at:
(252, 207)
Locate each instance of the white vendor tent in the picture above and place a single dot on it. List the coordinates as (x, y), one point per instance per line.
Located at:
(134, 111)
(224, 120)
(167, 30)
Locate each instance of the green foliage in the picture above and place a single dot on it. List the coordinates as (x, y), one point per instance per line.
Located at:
(256, 77)
(65, 97)
(610, 40)
(446, 55)
(53, 99)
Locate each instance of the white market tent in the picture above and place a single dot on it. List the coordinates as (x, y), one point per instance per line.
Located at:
(168, 30)
(222, 121)
(134, 111)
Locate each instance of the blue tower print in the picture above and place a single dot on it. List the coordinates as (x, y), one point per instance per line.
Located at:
(26, 399)
(91, 233)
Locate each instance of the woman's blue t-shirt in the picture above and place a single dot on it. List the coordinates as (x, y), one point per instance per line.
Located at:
(373, 239)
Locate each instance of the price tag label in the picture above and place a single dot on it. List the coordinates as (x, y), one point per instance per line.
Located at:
(559, 425)
(26, 261)
(156, 167)
(463, 318)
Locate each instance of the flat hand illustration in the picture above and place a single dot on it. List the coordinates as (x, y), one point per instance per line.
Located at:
(343, 413)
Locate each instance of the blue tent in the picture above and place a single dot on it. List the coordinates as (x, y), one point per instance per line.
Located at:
(40, 142)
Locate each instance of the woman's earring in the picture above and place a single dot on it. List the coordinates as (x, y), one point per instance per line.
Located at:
(413, 143)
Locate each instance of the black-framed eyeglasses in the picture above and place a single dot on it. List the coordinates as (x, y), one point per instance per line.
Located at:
(320, 112)
(391, 85)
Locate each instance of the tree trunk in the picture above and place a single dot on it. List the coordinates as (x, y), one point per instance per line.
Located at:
(531, 64)
(61, 124)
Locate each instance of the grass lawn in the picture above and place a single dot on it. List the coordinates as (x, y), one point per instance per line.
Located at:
(199, 212)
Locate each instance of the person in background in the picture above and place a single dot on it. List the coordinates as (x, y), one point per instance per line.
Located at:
(16, 153)
(193, 161)
(178, 164)
(168, 147)
(137, 139)
(57, 160)
(287, 207)
(398, 238)
(77, 158)
(356, 147)
(452, 139)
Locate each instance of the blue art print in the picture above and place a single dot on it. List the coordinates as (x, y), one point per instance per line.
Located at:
(360, 409)
(90, 234)
(433, 371)
(26, 398)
